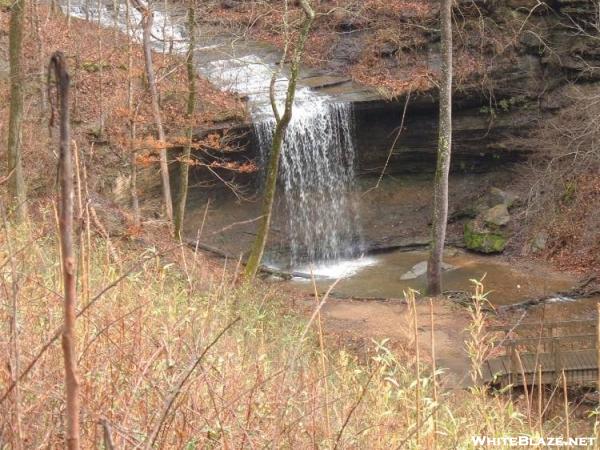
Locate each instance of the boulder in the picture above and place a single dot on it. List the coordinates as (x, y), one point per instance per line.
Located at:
(348, 21)
(498, 196)
(540, 241)
(229, 4)
(420, 269)
(483, 239)
(497, 216)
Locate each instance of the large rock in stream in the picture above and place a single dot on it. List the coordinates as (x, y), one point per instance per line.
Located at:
(420, 269)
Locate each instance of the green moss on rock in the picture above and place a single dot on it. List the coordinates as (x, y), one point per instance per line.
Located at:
(483, 241)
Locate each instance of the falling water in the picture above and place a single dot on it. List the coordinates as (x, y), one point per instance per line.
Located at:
(317, 171)
(317, 161)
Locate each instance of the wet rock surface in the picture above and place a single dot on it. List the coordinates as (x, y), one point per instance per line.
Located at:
(420, 269)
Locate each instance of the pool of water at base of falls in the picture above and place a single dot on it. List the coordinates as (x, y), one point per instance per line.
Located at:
(387, 276)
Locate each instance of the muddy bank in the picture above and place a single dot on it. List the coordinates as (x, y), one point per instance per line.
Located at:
(358, 325)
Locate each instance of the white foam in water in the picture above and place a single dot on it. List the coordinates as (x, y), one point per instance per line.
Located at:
(343, 268)
(164, 31)
(560, 299)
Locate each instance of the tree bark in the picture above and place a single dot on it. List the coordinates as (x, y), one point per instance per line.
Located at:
(58, 63)
(184, 166)
(16, 181)
(440, 194)
(135, 203)
(282, 123)
(147, 21)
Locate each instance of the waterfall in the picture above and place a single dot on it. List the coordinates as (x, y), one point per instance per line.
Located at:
(316, 176)
(317, 160)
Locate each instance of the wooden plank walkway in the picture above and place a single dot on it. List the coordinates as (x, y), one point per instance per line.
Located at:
(534, 352)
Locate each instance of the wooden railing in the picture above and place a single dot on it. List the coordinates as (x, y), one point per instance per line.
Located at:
(549, 349)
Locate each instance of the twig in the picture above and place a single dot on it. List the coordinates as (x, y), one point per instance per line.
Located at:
(243, 222)
(91, 303)
(171, 399)
(69, 339)
(358, 402)
(391, 151)
(566, 404)
(106, 434)
(433, 374)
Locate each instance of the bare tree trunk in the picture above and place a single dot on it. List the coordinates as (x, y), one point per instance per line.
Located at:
(147, 20)
(68, 259)
(135, 204)
(283, 121)
(16, 181)
(42, 56)
(14, 357)
(440, 194)
(184, 166)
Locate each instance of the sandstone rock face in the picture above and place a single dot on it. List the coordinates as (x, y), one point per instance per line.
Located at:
(493, 110)
(526, 81)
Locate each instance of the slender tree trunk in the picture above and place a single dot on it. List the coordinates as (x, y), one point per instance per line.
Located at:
(440, 193)
(16, 181)
(42, 56)
(58, 63)
(135, 204)
(184, 166)
(147, 20)
(283, 121)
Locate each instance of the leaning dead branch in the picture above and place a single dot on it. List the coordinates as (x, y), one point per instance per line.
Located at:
(69, 337)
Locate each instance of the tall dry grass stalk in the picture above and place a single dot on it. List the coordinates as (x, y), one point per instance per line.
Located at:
(479, 345)
(433, 375)
(414, 319)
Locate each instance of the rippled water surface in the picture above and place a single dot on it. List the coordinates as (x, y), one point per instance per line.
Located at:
(380, 276)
